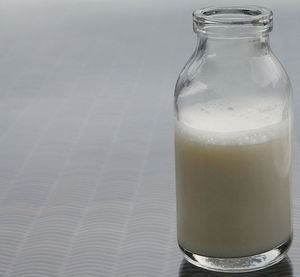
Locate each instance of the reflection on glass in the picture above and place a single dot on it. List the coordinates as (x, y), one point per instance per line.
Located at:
(282, 269)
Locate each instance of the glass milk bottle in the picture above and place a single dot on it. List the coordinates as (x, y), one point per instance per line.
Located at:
(233, 144)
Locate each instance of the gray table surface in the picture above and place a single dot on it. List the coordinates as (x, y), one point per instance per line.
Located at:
(86, 135)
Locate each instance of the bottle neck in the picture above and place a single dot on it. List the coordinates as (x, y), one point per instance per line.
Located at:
(237, 47)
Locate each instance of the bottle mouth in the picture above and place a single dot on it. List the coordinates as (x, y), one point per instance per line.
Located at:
(233, 20)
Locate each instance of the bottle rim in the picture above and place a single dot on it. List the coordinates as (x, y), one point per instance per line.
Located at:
(254, 18)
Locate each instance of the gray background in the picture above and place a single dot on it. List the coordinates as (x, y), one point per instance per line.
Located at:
(86, 136)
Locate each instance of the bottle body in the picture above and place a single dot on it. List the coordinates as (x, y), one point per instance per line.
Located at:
(233, 153)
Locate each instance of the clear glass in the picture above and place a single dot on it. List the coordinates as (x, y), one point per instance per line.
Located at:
(233, 144)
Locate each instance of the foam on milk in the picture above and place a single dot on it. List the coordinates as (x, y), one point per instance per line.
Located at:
(226, 122)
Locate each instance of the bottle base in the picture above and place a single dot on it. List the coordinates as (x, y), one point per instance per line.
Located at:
(241, 264)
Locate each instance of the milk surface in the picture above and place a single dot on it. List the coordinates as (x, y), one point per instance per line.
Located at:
(233, 178)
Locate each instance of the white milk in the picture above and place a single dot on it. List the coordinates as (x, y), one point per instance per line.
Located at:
(233, 176)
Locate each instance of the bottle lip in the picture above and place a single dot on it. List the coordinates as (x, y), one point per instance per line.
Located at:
(243, 19)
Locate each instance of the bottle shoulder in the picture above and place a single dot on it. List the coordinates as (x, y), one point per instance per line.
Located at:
(258, 73)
